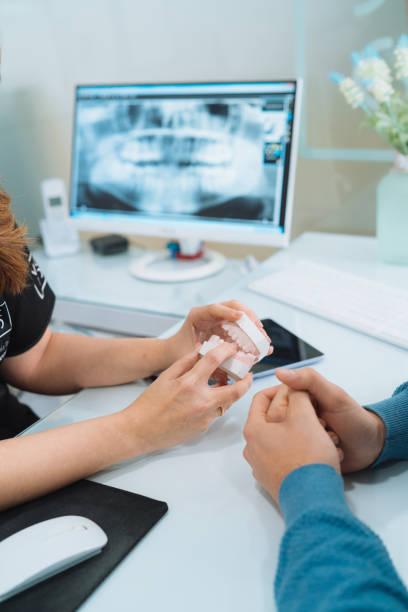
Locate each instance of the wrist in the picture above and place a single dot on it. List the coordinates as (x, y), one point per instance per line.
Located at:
(171, 349)
(163, 351)
(394, 412)
(315, 486)
(130, 426)
(377, 427)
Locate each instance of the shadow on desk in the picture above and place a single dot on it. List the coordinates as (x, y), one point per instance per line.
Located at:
(376, 475)
(222, 433)
(373, 497)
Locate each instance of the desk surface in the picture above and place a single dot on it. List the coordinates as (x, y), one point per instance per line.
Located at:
(99, 291)
(217, 548)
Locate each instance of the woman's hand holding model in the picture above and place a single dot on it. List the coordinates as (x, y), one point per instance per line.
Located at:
(181, 404)
(202, 321)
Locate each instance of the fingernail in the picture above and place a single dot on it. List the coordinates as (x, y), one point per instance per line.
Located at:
(286, 372)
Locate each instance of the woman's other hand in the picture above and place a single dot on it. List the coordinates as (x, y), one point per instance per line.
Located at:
(180, 404)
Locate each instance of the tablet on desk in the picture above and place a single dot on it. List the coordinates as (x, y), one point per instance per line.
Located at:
(290, 351)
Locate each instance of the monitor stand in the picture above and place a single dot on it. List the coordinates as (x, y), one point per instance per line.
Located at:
(163, 267)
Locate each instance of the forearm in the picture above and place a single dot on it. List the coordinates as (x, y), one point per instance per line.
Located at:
(329, 560)
(96, 362)
(71, 362)
(33, 465)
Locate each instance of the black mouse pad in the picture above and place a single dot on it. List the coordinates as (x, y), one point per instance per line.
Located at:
(125, 517)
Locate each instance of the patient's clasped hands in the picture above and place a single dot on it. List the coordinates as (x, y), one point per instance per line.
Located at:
(287, 424)
(283, 433)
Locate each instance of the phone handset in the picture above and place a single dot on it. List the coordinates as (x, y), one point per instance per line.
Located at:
(58, 233)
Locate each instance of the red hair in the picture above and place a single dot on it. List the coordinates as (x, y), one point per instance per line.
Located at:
(13, 256)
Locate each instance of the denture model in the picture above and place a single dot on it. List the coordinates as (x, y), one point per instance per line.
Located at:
(253, 346)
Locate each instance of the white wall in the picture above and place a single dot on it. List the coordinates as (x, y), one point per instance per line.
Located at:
(49, 46)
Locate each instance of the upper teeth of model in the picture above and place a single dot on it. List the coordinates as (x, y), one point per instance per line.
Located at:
(234, 334)
(239, 337)
(252, 346)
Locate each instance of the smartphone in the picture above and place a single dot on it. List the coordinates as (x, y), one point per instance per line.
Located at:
(289, 351)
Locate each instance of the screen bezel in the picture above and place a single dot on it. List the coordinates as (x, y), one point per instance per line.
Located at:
(202, 229)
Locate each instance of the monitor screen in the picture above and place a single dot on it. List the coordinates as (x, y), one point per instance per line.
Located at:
(174, 159)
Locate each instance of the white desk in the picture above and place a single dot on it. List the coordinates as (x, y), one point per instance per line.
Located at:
(98, 291)
(217, 548)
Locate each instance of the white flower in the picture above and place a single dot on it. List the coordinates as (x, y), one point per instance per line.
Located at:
(372, 68)
(352, 92)
(380, 89)
(401, 62)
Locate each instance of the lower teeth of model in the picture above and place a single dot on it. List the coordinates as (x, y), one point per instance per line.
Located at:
(242, 348)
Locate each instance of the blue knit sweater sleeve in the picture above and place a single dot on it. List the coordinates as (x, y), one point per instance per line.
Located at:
(329, 560)
(394, 413)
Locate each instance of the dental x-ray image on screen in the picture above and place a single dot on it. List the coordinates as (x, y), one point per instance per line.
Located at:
(209, 151)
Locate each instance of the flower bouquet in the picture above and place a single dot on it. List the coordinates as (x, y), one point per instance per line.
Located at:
(376, 92)
(381, 93)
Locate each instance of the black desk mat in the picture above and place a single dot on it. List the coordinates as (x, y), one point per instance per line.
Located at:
(125, 517)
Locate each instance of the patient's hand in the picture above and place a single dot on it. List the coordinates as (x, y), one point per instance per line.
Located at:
(361, 432)
(283, 433)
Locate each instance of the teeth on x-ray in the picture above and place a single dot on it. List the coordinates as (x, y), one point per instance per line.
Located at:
(179, 156)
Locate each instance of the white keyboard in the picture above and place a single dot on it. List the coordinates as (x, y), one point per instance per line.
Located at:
(370, 307)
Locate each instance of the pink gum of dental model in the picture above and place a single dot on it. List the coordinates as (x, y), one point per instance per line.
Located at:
(253, 346)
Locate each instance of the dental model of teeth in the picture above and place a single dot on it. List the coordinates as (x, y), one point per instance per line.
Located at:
(253, 346)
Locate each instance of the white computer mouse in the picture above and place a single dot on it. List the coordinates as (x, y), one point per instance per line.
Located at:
(45, 549)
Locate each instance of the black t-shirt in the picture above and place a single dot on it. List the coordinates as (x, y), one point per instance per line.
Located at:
(23, 321)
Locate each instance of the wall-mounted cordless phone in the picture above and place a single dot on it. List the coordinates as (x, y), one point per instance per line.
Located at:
(59, 235)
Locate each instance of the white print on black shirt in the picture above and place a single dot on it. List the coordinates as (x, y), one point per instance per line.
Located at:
(5, 328)
(39, 281)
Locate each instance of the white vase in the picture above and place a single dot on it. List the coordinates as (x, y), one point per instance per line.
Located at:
(392, 213)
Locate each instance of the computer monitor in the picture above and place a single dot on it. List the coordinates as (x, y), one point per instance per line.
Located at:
(203, 161)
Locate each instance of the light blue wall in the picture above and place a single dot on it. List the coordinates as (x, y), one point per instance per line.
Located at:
(49, 46)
